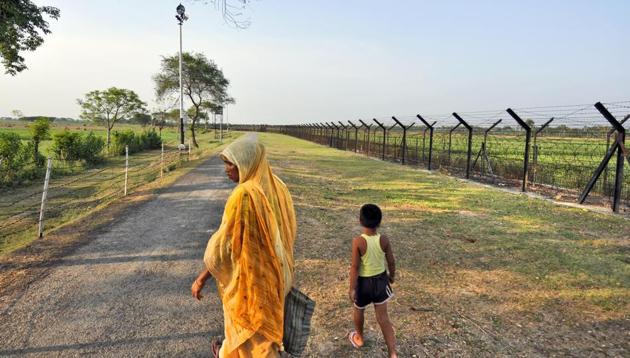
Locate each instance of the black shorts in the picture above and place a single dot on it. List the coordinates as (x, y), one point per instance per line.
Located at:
(373, 289)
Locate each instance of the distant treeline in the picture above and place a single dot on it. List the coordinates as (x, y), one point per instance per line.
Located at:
(136, 120)
(34, 118)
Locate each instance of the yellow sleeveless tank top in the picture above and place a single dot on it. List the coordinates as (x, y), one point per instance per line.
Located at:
(373, 261)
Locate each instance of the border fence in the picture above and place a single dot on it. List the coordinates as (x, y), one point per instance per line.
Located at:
(28, 210)
(571, 153)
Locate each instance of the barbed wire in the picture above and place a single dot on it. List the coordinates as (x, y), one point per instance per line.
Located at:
(21, 199)
(567, 144)
(80, 186)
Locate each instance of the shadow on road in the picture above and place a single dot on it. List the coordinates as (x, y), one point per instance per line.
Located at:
(64, 348)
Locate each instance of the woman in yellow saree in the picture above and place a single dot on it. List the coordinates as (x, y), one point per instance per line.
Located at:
(251, 255)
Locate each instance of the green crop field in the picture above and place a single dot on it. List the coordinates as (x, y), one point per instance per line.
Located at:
(561, 162)
(169, 134)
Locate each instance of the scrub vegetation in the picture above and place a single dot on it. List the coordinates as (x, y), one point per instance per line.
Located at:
(77, 190)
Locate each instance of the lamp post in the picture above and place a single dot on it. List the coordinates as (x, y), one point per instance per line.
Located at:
(181, 17)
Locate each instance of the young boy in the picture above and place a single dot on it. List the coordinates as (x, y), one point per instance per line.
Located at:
(369, 278)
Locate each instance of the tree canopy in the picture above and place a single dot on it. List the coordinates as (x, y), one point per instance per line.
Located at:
(22, 24)
(203, 83)
(109, 106)
(142, 118)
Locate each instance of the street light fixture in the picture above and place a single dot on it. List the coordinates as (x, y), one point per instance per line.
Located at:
(181, 17)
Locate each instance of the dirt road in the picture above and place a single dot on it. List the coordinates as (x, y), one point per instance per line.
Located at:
(126, 293)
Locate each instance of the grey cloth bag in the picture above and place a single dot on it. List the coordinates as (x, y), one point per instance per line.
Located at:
(298, 310)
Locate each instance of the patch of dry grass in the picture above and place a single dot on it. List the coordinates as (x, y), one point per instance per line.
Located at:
(482, 272)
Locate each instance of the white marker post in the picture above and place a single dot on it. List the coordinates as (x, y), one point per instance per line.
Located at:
(44, 195)
(126, 167)
(162, 162)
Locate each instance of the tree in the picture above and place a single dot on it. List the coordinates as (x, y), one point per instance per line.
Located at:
(142, 119)
(17, 113)
(21, 22)
(202, 80)
(40, 130)
(158, 119)
(203, 115)
(109, 106)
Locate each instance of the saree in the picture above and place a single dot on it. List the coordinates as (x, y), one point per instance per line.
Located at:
(251, 255)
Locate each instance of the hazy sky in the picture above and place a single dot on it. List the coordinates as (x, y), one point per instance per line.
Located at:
(326, 60)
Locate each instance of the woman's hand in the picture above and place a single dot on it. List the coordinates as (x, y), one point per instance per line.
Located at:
(196, 289)
(199, 283)
(351, 295)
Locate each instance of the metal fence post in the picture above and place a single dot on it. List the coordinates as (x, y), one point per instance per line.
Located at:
(430, 128)
(335, 142)
(619, 146)
(126, 167)
(368, 127)
(528, 135)
(384, 136)
(40, 233)
(470, 132)
(332, 132)
(323, 133)
(608, 135)
(356, 136)
(404, 138)
(345, 132)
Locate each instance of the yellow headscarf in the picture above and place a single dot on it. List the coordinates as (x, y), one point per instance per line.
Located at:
(251, 254)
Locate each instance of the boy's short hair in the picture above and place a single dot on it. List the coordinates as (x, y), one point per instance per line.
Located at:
(370, 216)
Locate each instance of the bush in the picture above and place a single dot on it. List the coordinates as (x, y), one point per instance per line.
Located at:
(136, 142)
(16, 159)
(72, 146)
(67, 146)
(153, 140)
(92, 149)
(10, 144)
(122, 139)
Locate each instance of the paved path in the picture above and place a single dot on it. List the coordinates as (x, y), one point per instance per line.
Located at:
(127, 292)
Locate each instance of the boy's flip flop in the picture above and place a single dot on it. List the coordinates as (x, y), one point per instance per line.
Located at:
(351, 336)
